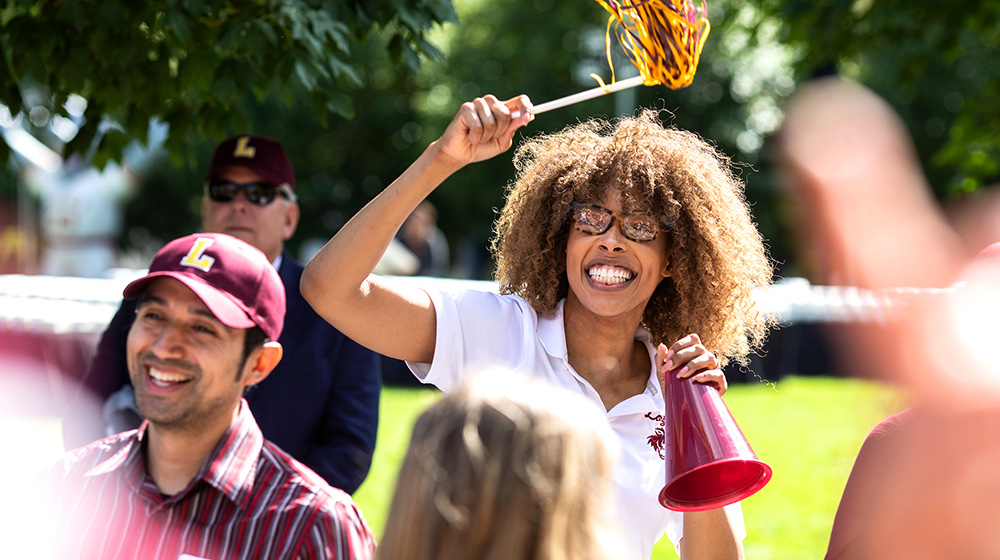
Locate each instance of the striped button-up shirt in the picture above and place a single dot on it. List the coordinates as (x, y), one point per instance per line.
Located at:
(249, 500)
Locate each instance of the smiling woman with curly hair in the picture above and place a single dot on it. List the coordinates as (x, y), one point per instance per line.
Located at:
(717, 255)
(625, 251)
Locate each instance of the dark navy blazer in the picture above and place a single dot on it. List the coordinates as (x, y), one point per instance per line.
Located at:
(320, 404)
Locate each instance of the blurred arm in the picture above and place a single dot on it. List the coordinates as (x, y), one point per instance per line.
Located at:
(83, 421)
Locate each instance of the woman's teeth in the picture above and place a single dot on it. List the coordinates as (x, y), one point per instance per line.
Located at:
(610, 274)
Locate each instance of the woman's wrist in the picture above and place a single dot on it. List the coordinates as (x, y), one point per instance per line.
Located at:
(440, 162)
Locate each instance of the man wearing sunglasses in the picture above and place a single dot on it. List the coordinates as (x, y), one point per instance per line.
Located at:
(248, 194)
(321, 402)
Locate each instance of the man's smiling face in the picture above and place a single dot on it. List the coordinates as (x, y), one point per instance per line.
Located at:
(186, 367)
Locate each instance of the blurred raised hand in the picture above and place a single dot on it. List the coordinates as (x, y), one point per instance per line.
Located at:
(866, 211)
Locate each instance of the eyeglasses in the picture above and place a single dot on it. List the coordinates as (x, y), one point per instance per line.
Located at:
(595, 220)
(259, 193)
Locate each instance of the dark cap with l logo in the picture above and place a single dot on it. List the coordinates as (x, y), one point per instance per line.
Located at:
(233, 278)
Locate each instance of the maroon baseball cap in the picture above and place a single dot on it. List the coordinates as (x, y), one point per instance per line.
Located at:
(234, 279)
(265, 156)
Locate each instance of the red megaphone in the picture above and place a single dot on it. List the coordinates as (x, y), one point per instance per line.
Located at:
(709, 462)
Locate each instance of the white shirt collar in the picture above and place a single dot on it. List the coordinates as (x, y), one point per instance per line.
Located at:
(552, 334)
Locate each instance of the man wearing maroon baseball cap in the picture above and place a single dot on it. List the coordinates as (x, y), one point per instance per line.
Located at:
(249, 193)
(263, 155)
(233, 279)
(198, 471)
(321, 402)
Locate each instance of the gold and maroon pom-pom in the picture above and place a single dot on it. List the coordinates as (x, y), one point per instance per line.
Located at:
(663, 38)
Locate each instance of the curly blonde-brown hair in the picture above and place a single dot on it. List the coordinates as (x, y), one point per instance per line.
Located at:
(718, 257)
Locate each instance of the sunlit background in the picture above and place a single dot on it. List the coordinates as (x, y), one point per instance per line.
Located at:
(355, 96)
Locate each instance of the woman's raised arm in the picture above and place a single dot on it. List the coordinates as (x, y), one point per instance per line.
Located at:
(395, 318)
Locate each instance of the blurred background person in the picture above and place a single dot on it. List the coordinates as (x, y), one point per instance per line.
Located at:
(419, 249)
(81, 205)
(497, 469)
(866, 208)
(81, 214)
(421, 235)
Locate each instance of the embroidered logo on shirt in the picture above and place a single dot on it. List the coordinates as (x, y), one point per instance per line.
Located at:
(656, 439)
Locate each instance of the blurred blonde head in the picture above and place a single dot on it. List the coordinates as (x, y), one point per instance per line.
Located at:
(503, 469)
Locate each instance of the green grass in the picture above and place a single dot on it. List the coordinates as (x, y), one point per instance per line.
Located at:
(397, 413)
(809, 429)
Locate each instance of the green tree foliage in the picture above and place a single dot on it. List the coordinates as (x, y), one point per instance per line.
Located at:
(934, 62)
(548, 49)
(734, 102)
(339, 166)
(192, 63)
(282, 68)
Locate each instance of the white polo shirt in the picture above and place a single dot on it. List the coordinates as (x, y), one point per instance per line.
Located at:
(477, 331)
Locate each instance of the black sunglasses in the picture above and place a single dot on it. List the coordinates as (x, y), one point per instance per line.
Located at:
(259, 193)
